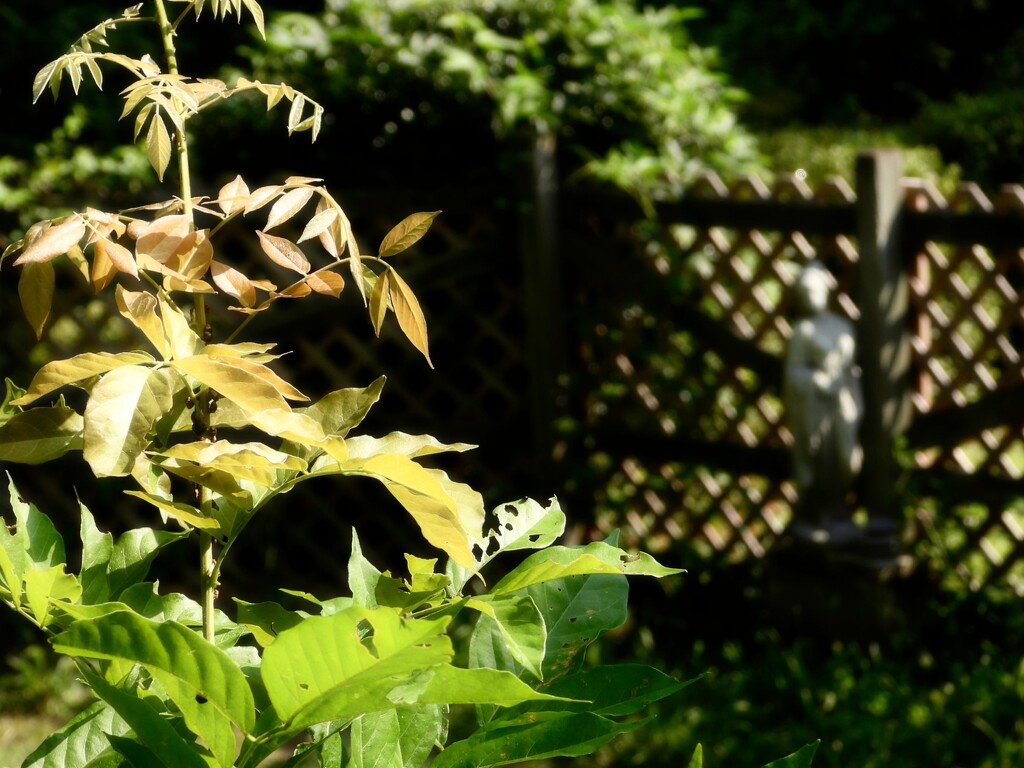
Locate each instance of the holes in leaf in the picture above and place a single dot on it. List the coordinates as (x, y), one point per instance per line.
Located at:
(573, 619)
(478, 552)
(508, 526)
(200, 699)
(492, 545)
(304, 686)
(534, 538)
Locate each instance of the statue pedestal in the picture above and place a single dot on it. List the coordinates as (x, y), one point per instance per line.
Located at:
(842, 581)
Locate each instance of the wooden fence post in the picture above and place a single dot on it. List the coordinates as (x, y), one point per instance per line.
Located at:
(542, 292)
(883, 332)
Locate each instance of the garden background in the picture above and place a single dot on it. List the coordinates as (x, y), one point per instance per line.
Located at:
(584, 335)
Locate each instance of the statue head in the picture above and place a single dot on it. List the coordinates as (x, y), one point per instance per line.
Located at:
(813, 288)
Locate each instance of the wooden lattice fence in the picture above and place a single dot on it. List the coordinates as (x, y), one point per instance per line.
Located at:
(690, 439)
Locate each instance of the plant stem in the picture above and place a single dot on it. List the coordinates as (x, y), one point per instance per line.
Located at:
(207, 569)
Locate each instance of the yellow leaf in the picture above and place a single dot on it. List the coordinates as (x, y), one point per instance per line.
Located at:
(332, 238)
(122, 409)
(379, 302)
(406, 232)
(290, 204)
(222, 352)
(233, 283)
(58, 373)
(290, 425)
(233, 196)
(410, 316)
(140, 309)
(182, 512)
(158, 145)
(182, 340)
(249, 391)
(35, 289)
(296, 290)
(54, 241)
(284, 253)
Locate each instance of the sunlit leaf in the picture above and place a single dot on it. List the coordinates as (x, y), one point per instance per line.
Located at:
(320, 670)
(320, 222)
(800, 759)
(50, 585)
(258, 369)
(402, 737)
(208, 688)
(233, 196)
(594, 558)
(75, 370)
(261, 196)
(233, 283)
(406, 232)
(40, 435)
(109, 258)
(520, 625)
(35, 290)
(81, 740)
(141, 309)
(284, 253)
(326, 282)
(412, 446)
(410, 316)
(160, 239)
(122, 409)
(290, 204)
(54, 241)
(158, 145)
(379, 298)
(179, 511)
(251, 391)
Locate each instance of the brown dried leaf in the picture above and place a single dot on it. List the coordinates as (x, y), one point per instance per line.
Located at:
(319, 223)
(261, 196)
(233, 283)
(159, 240)
(284, 253)
(233, 196)
(290, 204)
(326, 282)
(54, 241)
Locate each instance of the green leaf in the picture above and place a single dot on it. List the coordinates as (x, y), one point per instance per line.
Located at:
(35, 542)
(406, 232)
(133, 553)
(576, 610)
(77, 369)
(598, 557)
(456, 685)
(83, 739)
(324, 669)
(51, 585)
(697, 761)
(122, 409)
(40, 435)
(363, 577)
(208, 688)
(520, 625)
(613, 690)
(396, 738)
(35, 289)
(97, 549)
(148, 725)
(158, 145)
(267, 620)
(800, 759)
(537, 736)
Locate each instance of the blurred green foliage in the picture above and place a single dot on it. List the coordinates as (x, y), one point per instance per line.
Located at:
(632, 98)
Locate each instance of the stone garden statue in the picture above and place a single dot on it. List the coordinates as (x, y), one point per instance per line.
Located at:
(823, 401)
